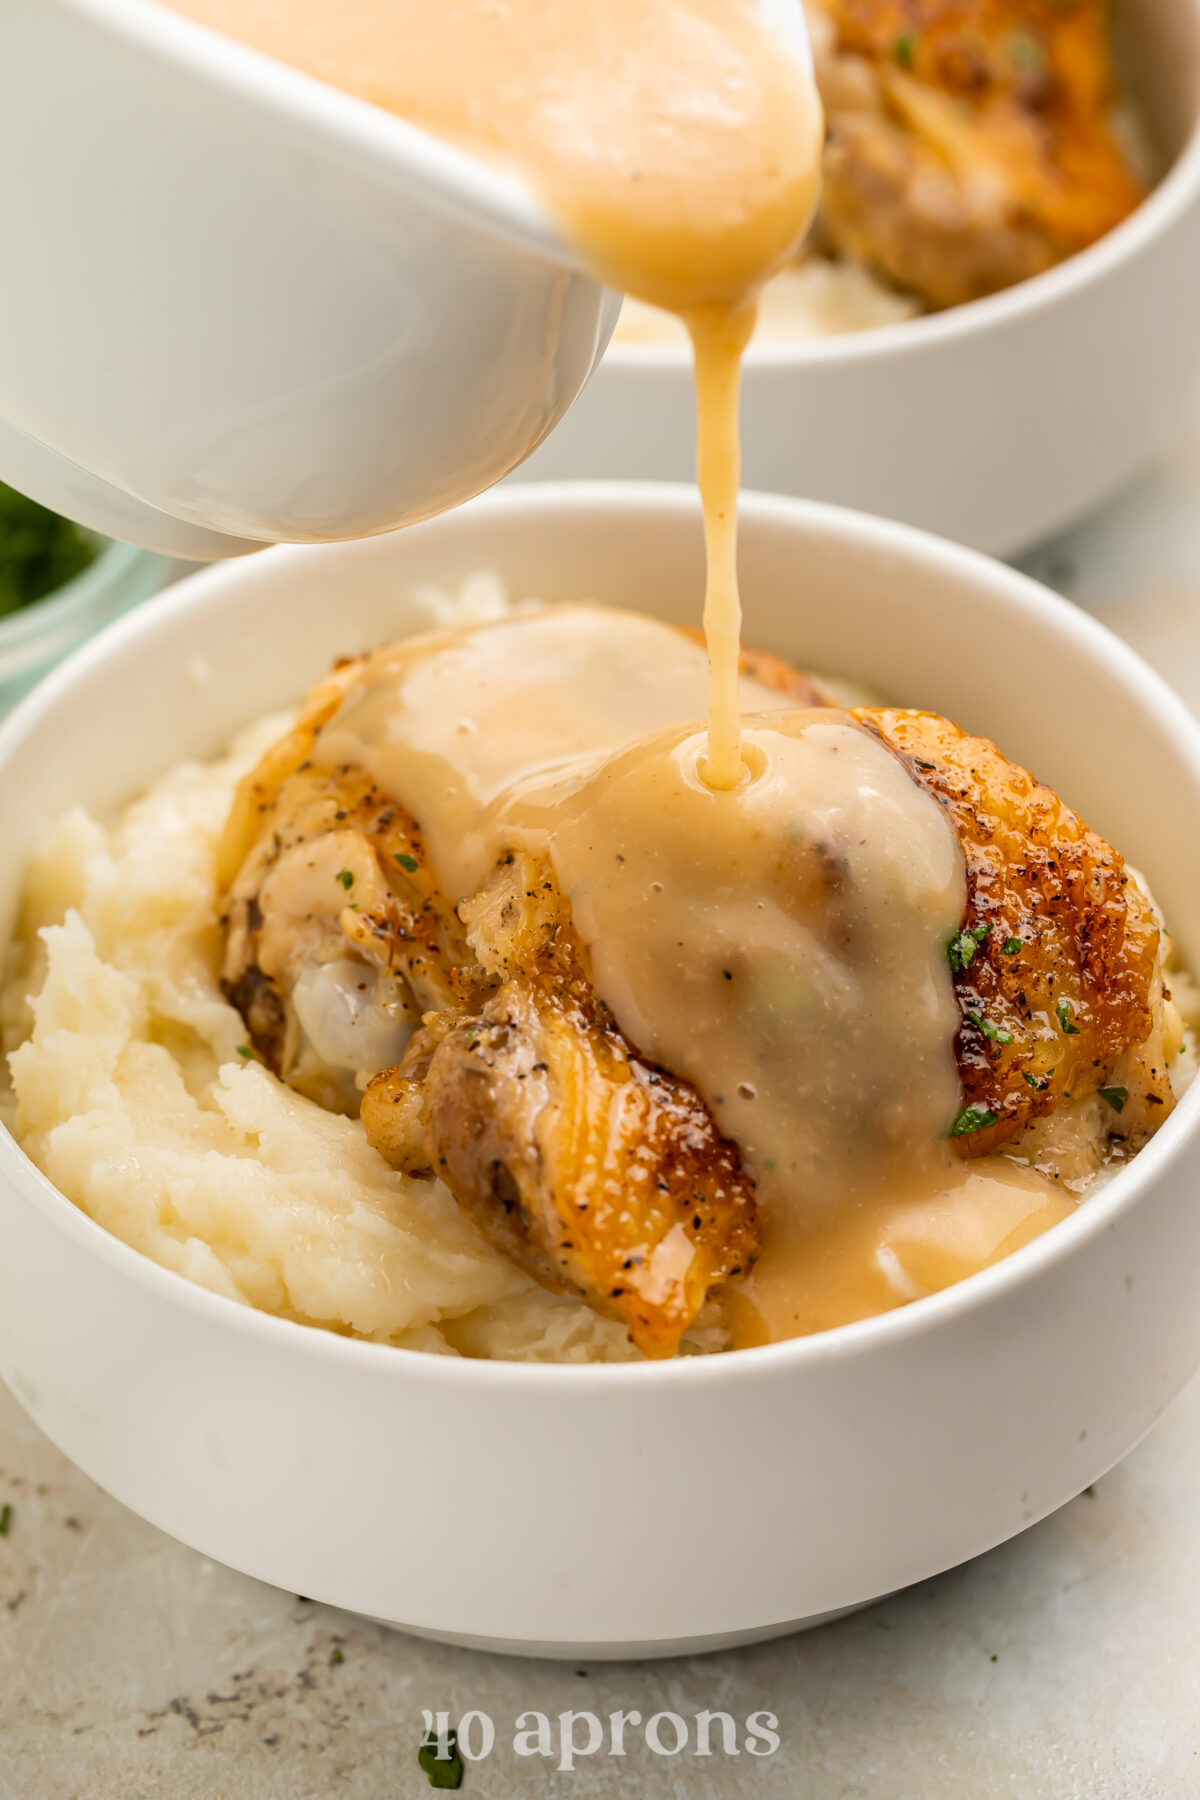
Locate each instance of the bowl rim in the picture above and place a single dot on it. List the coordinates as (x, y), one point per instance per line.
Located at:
(1175, 193)
(980, 1291)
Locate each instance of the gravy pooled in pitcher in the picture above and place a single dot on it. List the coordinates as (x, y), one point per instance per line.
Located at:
(676, 142)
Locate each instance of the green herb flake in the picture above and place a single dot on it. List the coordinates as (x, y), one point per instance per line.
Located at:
(409, 863)
(346, 877)
(1031, 1079)
(1011, 946)
(993, 1033)
(6, 1517)
(1116, 1097)
(970, 1118)
(1066, 1019)
(441, 1771)
(1090, 1492)
(963, 947)
(904, 50)
(245, 1050)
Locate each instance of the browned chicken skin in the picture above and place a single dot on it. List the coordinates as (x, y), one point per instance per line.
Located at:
(970, 142)
(502, 1071)
(589, 1166)
(1057, 966)
(1056, 963)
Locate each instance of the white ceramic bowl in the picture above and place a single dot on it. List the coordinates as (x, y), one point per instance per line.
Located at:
(618, 1510)
(994, 423)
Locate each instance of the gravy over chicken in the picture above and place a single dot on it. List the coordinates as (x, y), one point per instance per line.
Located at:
(663, 1040)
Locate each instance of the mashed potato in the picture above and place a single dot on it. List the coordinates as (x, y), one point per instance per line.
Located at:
(134, 1091)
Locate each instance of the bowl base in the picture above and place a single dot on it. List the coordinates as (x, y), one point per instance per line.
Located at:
(642, 1651)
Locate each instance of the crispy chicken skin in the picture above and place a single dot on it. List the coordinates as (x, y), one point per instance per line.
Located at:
(321, 870)
(1079, 1003)
(970, 142)
(488, 1059)
(1057, 967)
(589, 1166)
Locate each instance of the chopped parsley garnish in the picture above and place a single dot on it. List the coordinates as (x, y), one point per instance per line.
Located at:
(346, 877)
(5, 1519)
(1010, 946)
(441, 1771)
(1031, 1079)
(1066, 1019)
(963, 947)
(970, 1118)
(408, 862)
(1116, 1097)
(993, 1033)
(245, 1050)
(905, 49)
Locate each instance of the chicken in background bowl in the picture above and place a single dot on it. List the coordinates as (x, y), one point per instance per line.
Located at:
(995, 422)
(970, 144)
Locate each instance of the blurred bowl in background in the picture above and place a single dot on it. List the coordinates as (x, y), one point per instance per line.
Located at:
(994, 423)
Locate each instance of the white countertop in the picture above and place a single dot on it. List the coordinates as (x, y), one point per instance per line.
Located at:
(1063, 1666)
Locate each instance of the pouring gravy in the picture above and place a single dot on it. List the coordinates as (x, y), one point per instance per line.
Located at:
(676, 142)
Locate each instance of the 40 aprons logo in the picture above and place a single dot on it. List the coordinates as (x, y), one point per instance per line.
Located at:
(566, 1737)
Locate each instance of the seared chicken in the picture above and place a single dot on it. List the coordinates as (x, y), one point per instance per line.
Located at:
(1057, 967)
(1059, 964)
(971, 143)
(489, 1060)
(589, 1166)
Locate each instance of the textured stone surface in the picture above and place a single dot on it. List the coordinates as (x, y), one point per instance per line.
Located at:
(1064, 1666)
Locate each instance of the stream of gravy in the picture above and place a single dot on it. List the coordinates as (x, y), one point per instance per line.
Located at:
(676, 143)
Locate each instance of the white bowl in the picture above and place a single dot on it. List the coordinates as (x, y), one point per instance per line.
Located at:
(631, 1509)
(994, 423)
(263, 310)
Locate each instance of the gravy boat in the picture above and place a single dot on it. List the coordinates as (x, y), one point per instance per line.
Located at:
(242, 307)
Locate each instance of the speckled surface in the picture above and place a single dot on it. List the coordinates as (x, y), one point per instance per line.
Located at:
(1064, 1666)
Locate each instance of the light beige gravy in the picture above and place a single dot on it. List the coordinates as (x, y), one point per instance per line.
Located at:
(782, 944)
(449, 724)
(675, 141)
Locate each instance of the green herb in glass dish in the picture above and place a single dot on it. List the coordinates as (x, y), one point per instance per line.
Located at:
(39, 551)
